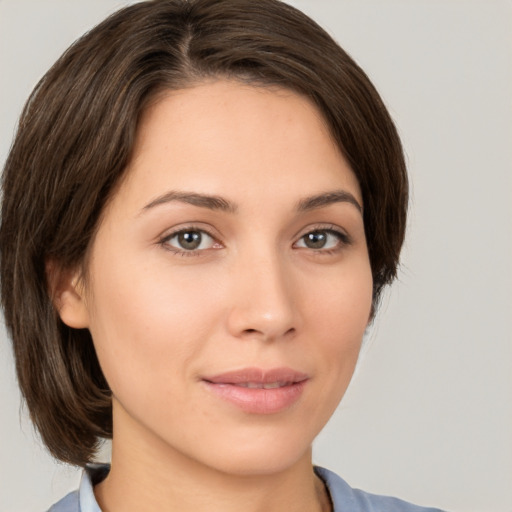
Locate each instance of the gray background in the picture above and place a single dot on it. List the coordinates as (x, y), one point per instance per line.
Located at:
(429, 415)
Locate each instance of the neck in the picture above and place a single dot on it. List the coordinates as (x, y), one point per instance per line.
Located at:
(154, 477)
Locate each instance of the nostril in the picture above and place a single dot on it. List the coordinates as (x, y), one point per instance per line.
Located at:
(251, 332)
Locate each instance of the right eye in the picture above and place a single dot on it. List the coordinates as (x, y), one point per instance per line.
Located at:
(189, 241)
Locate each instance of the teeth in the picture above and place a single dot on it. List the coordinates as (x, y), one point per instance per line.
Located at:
(260, 385)
(273, 385)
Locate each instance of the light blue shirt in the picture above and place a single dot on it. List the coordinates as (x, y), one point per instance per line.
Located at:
(343, 497)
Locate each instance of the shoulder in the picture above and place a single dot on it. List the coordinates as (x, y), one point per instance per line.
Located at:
(69, 503)
(345, 497)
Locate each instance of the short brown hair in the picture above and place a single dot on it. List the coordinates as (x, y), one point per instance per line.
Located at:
(74, 142)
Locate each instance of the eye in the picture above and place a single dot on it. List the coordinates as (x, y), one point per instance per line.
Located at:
(188, 240)
(322, 239)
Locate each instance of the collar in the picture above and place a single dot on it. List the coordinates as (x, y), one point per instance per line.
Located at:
(92, 475)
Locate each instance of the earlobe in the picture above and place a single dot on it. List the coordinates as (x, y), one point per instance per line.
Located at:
(68, 296)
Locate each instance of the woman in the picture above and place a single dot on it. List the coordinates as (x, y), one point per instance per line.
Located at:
(201, 208)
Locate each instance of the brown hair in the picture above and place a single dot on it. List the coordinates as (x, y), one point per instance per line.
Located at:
(74, 142)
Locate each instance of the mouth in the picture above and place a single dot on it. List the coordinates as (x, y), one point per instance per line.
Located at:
(261, 385)
(258, 391)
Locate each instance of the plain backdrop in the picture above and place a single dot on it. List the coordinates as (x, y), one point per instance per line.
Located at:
(428, 416)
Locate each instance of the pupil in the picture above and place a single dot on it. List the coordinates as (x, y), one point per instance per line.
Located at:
(190, 239)
(315, 240)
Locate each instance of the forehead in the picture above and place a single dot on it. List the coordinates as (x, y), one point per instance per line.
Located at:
(226, 137)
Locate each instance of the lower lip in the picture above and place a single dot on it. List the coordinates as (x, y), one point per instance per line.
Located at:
(257, 400)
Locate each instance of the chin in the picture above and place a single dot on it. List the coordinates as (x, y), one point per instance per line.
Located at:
(258, 452)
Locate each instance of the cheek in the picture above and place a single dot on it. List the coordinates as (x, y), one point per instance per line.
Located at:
(149, 325)
(339, 314)
(343, 299)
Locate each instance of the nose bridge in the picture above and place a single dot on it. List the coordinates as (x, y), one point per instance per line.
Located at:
(263, 298)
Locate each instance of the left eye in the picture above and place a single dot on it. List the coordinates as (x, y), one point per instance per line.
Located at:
(190, 240)
(320, 239)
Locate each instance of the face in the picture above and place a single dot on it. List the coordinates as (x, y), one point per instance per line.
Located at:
(229, 284)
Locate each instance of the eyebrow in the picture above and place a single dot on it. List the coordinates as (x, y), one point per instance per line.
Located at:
(326, 199)
(213, 202)
(195, 199)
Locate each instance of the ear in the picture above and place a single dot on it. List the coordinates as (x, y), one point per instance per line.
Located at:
(67, 292)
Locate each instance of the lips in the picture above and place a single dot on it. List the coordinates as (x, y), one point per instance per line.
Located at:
(258, 391)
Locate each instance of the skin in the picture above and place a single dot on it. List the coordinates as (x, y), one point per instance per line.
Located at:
(254, 294)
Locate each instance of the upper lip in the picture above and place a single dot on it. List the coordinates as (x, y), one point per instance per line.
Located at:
(258, 376)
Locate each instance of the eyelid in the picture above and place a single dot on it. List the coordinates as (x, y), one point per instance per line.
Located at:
(323, 226)
(189, 226)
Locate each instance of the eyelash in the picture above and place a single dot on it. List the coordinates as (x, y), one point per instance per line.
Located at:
(183, 252)
(343, 240)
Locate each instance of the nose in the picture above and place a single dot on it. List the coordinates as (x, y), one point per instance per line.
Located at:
(264, 303)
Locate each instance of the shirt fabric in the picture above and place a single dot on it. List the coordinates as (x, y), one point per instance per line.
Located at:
(344, 498)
